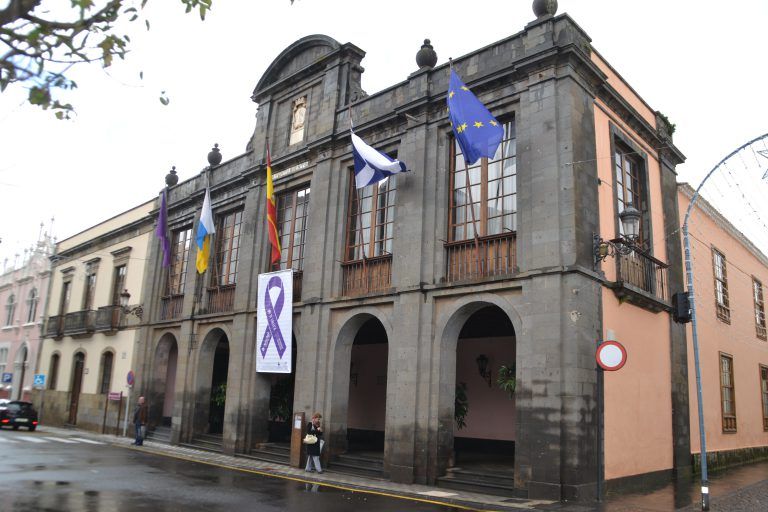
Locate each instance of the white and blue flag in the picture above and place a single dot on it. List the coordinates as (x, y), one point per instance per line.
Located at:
(372, 166)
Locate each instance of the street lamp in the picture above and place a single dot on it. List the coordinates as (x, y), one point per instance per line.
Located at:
(625, 244)
(482, 368)
(137, 311)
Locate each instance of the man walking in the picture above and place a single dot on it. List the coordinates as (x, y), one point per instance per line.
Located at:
(140, 421)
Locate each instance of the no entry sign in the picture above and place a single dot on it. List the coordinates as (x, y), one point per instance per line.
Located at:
(611, 355)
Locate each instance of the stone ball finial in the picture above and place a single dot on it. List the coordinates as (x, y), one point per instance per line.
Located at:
(426, 57)
(171, 178)
(214, 156)
(543, 8)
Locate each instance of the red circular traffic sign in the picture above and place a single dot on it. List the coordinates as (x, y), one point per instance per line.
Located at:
(130, 378)
(611, 356)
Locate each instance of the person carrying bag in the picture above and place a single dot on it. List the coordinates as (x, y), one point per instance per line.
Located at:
(314, 443)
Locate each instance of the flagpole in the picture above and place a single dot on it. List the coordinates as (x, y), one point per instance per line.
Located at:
(359, 199)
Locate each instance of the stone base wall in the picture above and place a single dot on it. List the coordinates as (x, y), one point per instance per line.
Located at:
(729, 458)
(53, 408)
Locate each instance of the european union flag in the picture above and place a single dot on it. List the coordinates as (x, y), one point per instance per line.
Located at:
(477, 131)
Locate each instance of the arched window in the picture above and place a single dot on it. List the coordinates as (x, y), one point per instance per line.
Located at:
(32, 306)
(3, 359)
(106, 371)
(11, 309)
(53, 373)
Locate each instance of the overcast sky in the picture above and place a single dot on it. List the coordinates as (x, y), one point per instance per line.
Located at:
(700, 62)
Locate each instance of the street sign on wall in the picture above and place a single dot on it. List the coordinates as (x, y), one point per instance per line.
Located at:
(611, 355)
(274, 322)
(39, 381)
(7, 378)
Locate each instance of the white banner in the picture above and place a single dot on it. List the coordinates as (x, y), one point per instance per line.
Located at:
(274, 319)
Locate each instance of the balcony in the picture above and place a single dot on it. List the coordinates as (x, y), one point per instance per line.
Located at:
(171, 306)
(371, 275)
(108, 318)
(642, 280)
(79, 322)
(490, 256)
(221, 299)
(55, 327)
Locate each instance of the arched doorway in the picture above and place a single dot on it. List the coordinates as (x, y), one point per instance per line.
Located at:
(162, 387)
(211, 386)
(78, 364)
(476, 422)
(484, 407)
(20, 373)
(367, 403)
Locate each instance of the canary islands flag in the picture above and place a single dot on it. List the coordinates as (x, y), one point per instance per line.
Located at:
(205, 230)
(477, 131)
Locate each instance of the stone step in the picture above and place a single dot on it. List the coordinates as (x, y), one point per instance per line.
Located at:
(361, 460)
(484, 483)
(358, 465)
(267, 457)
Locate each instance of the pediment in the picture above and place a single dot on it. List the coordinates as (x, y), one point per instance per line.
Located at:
(299, 56)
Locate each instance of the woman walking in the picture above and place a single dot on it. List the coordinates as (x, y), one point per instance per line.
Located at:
(313, 450)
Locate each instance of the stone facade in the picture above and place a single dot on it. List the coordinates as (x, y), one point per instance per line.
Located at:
(544, 80)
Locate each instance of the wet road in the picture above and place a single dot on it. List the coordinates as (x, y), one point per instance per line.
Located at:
(42, 471)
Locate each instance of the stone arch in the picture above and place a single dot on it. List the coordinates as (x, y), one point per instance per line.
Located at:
(161, 387)
(100, 375)
(448, 327)
(337, 403)
(215, 338)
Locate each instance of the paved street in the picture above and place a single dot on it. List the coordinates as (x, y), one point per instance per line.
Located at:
(66, 470)
(42, 471)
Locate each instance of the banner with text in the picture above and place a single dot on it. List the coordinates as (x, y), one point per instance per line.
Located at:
(274, 320)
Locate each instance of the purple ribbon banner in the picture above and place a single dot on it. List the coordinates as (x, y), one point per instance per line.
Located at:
(273, 313)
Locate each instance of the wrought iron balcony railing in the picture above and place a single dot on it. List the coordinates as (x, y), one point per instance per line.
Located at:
(79, 322)
(108, 318)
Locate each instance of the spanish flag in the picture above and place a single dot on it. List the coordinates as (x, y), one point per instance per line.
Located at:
(205, 230)
(274, 240)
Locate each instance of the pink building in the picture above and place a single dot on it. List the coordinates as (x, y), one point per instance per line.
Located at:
(729, 276)
(22, 295)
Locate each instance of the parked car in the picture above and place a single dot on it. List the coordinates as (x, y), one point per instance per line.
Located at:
(4, 403)
(19, 414)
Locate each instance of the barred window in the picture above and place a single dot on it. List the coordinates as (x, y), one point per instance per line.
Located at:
(106, 372)
(292, 214)
(727, 393)
(227, 248)
(764, 394)
(757, 293)
(370, 223)
(721, 286)
(177, 273)
(490, 185)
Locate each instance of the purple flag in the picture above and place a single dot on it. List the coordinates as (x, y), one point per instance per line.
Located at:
(162, 230)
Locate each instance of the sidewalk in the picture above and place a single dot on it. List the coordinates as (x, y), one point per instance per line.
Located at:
(740, 489)
(448, 497)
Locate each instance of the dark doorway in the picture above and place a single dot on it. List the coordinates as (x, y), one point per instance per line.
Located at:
(366, 412)
(77, 382)
(484, 415)
(281, 402)
(218, 387)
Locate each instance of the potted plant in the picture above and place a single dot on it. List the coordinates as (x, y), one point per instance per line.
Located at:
(506, 379)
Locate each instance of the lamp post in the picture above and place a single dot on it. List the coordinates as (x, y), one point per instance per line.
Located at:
(625, 244)
(137, 311)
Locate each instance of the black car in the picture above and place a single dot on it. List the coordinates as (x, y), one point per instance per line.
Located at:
(19, 414)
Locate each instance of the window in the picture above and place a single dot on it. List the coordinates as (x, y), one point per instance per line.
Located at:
(90, 287)
(491, 183)
(727, 393)
(371, 219)
(764, 393)
(118, 283)
(757, 292)
(721, 287)
(32, 301)
(630, 186)
(177, 274)
(106, 372)
(66, 291)
(292, 210)
(10, 309)
(3, 359)
(53, 373)
(227, 248)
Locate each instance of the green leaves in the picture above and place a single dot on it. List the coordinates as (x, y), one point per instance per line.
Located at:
(41, 49)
